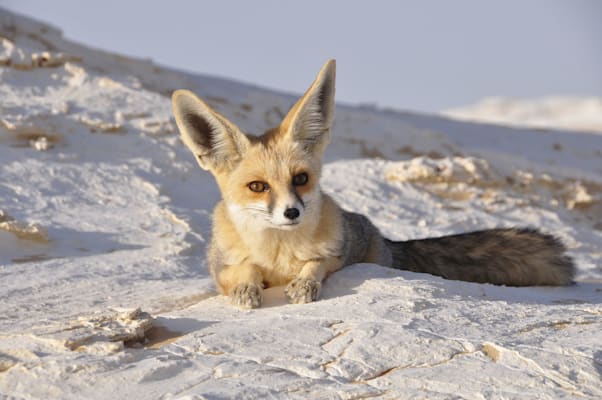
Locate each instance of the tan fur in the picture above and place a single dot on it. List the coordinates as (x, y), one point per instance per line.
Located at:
(258, 242)
(276, 255)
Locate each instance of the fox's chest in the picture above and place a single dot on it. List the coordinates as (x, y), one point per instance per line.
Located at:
(280, 260)
(280, 255)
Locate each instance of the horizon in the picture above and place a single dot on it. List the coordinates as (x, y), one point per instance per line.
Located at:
(510, 50)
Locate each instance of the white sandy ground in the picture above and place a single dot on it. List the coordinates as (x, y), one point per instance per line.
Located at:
(104, 292)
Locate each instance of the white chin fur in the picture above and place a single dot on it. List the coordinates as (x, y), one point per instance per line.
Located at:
(286, 227)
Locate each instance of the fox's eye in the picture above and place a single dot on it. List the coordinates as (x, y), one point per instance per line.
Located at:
(300, 179)
(257, 186)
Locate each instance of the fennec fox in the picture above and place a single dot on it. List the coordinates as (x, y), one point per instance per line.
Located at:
(275, 226)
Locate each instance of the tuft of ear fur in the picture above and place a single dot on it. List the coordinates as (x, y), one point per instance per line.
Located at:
(216, 142)
(310, 119)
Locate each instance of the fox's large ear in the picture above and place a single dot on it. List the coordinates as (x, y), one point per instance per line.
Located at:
(310, 119)
(216, 142)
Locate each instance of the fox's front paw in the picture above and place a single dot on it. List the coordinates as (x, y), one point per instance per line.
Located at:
(247, 295)
(302, 290)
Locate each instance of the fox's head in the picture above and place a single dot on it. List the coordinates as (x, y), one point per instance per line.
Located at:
(270, 181)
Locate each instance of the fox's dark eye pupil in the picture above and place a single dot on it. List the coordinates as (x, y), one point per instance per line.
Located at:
(257, 186)
(300, 179)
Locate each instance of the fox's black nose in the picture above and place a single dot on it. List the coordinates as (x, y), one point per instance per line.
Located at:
(291, 213)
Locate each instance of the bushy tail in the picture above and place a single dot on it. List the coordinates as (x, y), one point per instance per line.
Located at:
(513, 257)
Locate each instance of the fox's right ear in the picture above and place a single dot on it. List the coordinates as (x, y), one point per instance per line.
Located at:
(216, 142)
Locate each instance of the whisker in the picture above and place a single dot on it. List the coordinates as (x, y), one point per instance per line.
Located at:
(256, 210)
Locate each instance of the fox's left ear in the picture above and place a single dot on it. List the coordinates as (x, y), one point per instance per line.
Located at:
(310, 119)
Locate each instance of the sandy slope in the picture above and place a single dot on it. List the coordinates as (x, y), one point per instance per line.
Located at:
(103, 212)
(559, 112)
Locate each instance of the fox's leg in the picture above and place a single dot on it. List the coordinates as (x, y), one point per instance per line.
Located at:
(243, 283)
(306, 286)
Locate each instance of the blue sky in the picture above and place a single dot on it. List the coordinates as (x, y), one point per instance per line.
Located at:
(421, 55)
